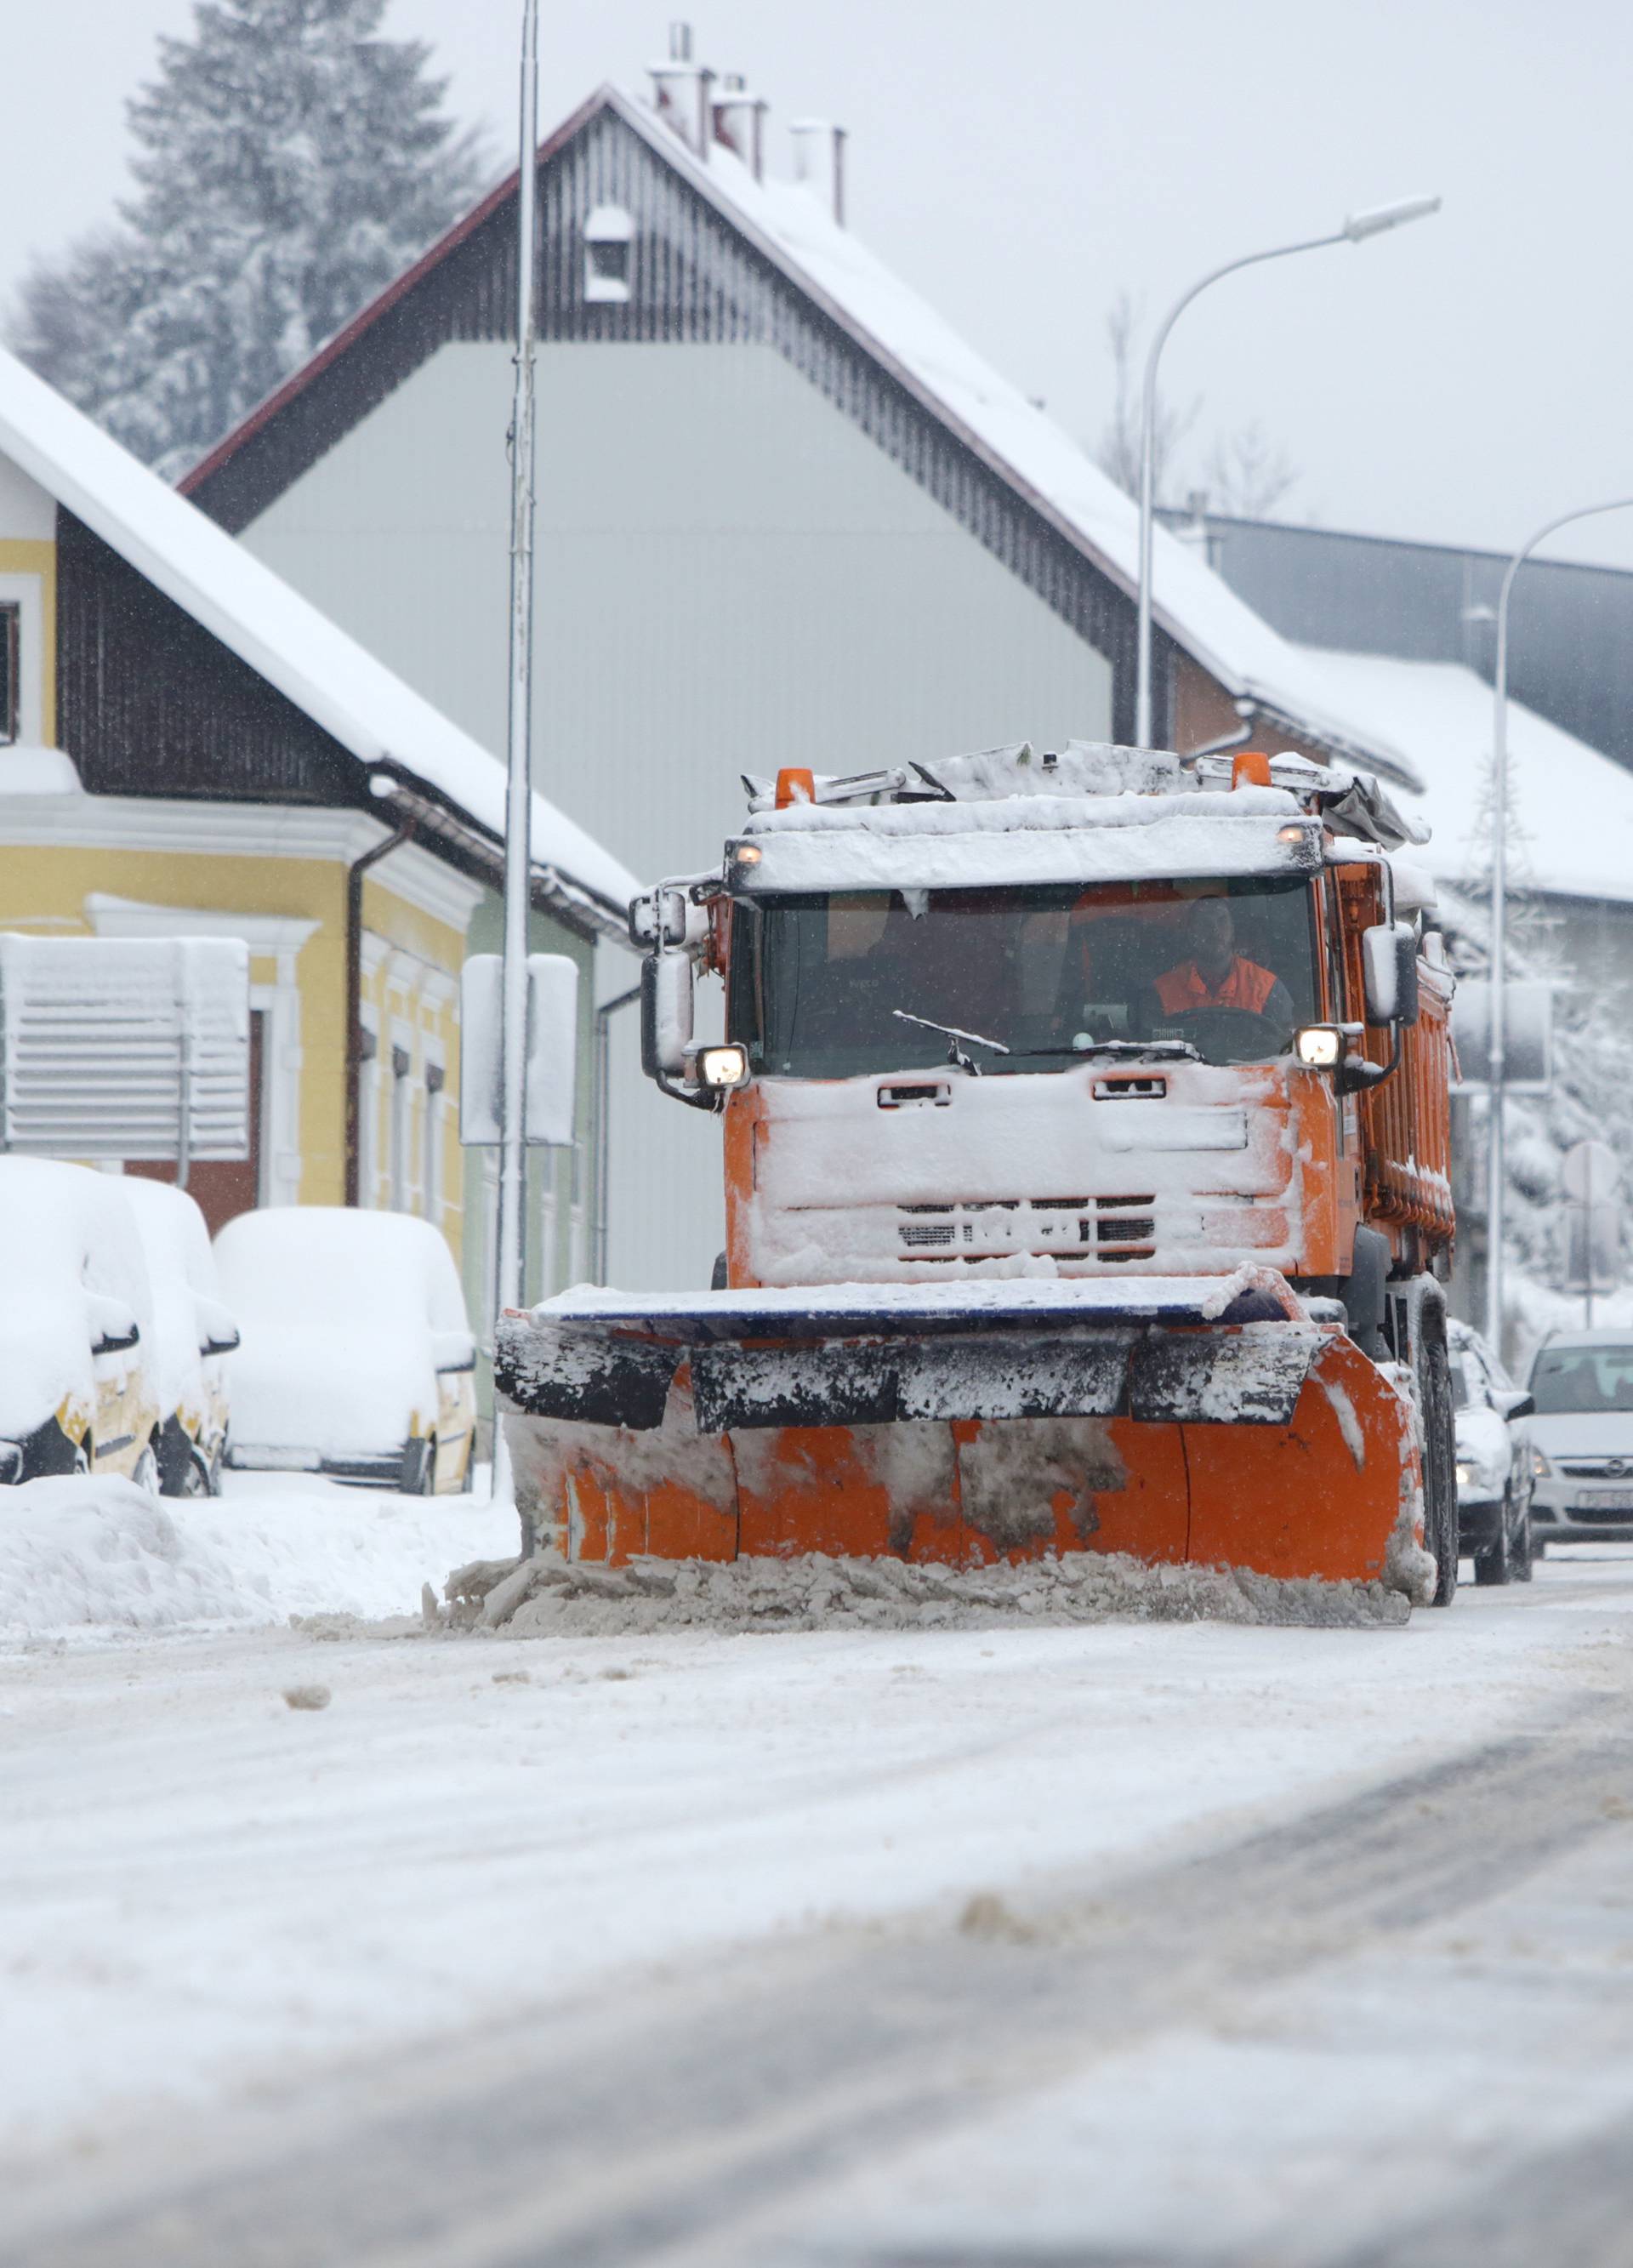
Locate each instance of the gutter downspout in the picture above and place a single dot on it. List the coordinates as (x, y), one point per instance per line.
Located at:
(602, 1065)
(355, 873)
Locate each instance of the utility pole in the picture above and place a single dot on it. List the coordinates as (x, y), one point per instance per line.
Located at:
(512, 1224)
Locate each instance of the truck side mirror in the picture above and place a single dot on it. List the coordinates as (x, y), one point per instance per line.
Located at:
(666, 1015)
(1389, 973)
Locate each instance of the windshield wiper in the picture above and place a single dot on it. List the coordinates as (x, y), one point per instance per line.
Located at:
(953, 1035)
(1159, 1050)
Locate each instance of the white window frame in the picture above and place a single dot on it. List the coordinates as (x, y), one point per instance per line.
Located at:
(26, 594)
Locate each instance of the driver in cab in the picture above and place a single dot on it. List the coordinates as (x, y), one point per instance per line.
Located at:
(1216, 975)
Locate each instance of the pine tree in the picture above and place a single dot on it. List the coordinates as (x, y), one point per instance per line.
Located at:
(288, 164)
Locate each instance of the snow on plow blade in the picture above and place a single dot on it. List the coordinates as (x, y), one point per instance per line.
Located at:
(1203, 1419)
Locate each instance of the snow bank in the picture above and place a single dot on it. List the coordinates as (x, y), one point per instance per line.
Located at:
(100, 1557)
(549, 1596)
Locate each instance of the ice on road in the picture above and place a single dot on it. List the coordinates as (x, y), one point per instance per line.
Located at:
(211, 1900)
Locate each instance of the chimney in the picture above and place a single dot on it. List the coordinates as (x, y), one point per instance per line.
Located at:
(680, 93)
(739, 122)
(820, 162)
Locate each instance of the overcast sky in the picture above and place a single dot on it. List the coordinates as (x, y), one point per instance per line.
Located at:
(1459, 382)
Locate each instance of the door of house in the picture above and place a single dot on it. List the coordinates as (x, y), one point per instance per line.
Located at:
(223, 1188)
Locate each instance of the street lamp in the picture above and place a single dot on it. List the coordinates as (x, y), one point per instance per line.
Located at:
(1356, 230)
(1499, 915)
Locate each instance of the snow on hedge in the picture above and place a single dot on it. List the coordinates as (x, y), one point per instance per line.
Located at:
(102, 1557)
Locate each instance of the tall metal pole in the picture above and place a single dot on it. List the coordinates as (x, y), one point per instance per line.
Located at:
(1500, 918)
(512, 1230)
(1356, 230)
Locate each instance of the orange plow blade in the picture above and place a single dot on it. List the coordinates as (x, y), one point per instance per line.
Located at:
(965, 1434)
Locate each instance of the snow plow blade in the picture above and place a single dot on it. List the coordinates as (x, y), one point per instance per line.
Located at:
(1199, 1420)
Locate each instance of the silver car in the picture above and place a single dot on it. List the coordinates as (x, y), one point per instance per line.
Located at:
(1582, 1437)
(1495, 1460)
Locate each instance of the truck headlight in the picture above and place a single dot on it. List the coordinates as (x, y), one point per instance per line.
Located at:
(1319, 1047)
(722, 1067)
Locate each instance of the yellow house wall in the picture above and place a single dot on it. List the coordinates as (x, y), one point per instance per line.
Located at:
(437, 948)
(44, 890)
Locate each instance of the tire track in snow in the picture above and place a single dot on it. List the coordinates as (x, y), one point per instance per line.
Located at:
(654, 2121)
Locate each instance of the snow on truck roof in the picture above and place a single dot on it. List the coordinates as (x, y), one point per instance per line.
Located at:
(282, 636)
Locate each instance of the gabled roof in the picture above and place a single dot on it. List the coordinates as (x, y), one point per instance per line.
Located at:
(1571, 830)
(788, 226)
(353, 697)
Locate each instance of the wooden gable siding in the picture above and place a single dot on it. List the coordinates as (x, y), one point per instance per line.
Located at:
(149, 702)
(693, 279)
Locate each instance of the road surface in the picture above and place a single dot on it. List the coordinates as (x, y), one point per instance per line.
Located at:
(1014, 1949)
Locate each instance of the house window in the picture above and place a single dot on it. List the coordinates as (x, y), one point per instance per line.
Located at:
(431, 1196)
(402, 1128)
(368, 1115)
(11, 673)
(608, 235)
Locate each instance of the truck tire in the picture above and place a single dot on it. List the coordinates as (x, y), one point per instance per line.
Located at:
(1434, 1386)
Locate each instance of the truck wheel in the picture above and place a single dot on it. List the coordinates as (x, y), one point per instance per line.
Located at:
(1434, 1383)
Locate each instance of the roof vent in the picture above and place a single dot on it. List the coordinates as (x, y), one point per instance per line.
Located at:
(819, 161)
(739, 122)
(680, 93)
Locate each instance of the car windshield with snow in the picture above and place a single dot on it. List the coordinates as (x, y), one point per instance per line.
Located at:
(841, 984)
(357, 1359)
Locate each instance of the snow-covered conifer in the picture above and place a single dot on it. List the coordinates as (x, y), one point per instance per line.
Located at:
(288, 163)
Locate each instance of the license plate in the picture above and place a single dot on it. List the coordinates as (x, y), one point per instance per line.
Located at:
(1607, 1500)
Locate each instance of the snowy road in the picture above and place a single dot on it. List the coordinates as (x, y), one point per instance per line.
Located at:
(1126, 1943)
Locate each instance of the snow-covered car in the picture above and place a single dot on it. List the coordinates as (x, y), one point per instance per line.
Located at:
(76, 1390)
(357, 1356)
(192, 1332)
(1493, 1460)
(1581, 1436)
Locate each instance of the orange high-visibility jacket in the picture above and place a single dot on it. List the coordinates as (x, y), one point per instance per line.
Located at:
(1183, 990)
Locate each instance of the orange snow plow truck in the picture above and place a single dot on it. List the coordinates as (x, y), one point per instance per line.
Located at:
(1086, 1139)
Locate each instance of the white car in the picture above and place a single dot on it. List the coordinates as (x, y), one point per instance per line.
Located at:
(78, 1394)
(357, 1356)
(1581, 1436)
(192, 1332)
(1493, 1460)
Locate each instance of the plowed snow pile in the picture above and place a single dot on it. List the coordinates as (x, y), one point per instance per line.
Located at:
(549, 1596)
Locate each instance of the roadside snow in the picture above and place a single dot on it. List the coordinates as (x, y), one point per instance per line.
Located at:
(98, 1557)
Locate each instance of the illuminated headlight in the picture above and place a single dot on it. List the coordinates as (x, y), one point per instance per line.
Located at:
(1468, 1475)
(1319, 1047)
(1541, 1469)
(722, 1066)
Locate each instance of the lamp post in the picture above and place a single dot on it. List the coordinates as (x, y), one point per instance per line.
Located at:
(512, 1239)
(1499, 914)
(1356, 230)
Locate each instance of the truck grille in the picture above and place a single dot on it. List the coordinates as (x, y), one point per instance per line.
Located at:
(1106, 1229)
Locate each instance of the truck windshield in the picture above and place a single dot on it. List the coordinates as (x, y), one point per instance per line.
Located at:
(1223, 969)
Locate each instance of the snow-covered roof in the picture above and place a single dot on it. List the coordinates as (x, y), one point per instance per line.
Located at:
(1571, 827)
(1199, 610)
(280, 635)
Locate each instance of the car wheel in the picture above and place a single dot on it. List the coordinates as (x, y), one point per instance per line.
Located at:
(1523, 1552)
(1539, 1544)
(1494, 1565)
(427, 1470)
(83, 1452)
(195, 1478)
(145, 1471)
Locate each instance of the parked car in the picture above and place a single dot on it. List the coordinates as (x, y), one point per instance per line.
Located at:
(192, 1332)
(1581, 1436)
(357, 1359)
(77, 1392)
(1494, 1460)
